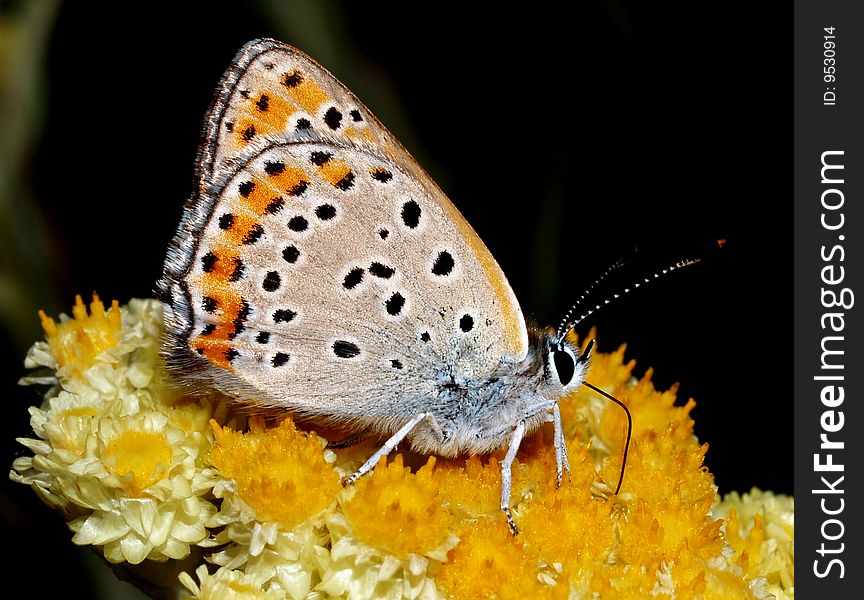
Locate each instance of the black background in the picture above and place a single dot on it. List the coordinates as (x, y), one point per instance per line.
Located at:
(566, 136)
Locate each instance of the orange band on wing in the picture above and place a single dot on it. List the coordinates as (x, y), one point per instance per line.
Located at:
(217, 352)
(262, 114)
(221, 265)
(228, 312)
(288, 180)
(271, 108)
(335, 172)
(308, 95)
(243, 229)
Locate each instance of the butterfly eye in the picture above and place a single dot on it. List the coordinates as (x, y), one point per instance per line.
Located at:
(565, 364)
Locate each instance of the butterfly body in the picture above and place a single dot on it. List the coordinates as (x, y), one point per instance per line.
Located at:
(477, 416)
(318, 270)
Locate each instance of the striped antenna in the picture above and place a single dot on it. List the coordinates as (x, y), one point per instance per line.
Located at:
(562, 327)
(569, 323)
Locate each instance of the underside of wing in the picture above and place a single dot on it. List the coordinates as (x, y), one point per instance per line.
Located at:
(315, 248)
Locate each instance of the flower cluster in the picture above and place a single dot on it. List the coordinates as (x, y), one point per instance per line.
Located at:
(146, 475)
(116, 451)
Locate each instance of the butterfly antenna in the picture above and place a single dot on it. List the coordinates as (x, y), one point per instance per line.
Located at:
(564, 329)
(569, 323)
(586, 294)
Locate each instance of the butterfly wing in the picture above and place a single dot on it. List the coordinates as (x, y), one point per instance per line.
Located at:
(317, 266)
(271, 88)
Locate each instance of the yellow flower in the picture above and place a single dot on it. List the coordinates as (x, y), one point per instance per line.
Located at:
(142, 483)
(75, 343)
(358, 570)
(108, 454)
(226, 584)
(276, 484)
(470, 488)
(760, 527)
(139, 470)
(280, 472)
(489, 562)
(399, 511)
(568, 539)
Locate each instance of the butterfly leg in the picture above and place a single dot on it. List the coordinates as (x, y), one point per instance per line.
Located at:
(386, 449)
(349, 441)
(561, 460)
(507, 474)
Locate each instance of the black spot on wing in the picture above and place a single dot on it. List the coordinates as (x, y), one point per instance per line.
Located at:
(272, 281)
(253, 235)
(284, 315)
(394, 304)
(246, 188)
(275, 205)
(280, 359)
(353, 278)
(226, 221)
(333, 118)
(381, 174)
(292, 79)
(325, 212)
(319, 158)
(345, 349)
(208, 262)
(346, 183)
(238, 270)
(298, 224)
(274, 167)
(443, 264)
(383, 271)
(411, 214)
(298, 188)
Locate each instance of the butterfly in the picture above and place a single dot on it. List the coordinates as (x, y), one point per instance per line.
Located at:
(319, 270)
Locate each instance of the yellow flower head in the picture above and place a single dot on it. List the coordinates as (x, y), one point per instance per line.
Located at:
(75, 343)
(139, 458)
(226, 584)
(280, 472)
(399, 511)
(760, 527)
(490, 563)
(143, 480)
(575, 539)
(108, 453)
